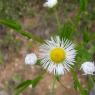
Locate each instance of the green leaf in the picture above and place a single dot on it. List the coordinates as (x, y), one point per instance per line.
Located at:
(36, 80)
(11, 23)
(67, 30)
(86, 37)
(84, 54)
(20, 88)
(1, 58)
(18, 28)
(83, 5)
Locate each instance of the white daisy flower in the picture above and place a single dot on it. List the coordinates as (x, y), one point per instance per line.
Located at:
(57, 55)
(88, 68)
(50, 3)
(31, 59)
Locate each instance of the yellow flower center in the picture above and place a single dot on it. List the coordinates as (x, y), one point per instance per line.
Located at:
(57, 55)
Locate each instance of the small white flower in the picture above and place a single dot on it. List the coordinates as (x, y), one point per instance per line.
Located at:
(50, 3)
(57, 55)
(30, 86)
(31, 59)
(88, 68)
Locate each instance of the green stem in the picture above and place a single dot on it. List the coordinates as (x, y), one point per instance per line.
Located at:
(53, 86)
(67, 89)
(57, 19)
(90, 82)
(77, 83)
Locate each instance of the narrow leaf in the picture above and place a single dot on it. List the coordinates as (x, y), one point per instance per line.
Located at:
(67, 30)
(21, 87)
(83, 4)
(11, 23)
(18, 28)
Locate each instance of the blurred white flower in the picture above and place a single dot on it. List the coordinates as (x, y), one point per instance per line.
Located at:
(57, 55)
(50, 3)
(88, 68)
(31, 59)
(30, 86)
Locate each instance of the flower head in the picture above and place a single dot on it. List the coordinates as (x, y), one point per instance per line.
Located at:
(50, 3)
(57, 55)
(88, 68)
(31, 59)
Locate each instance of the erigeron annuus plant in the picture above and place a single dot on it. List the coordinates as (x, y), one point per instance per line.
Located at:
(58, 54)
(31, 59)
(50, 3)
(88, 68)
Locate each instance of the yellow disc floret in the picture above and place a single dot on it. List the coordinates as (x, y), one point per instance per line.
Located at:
(57, 55)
